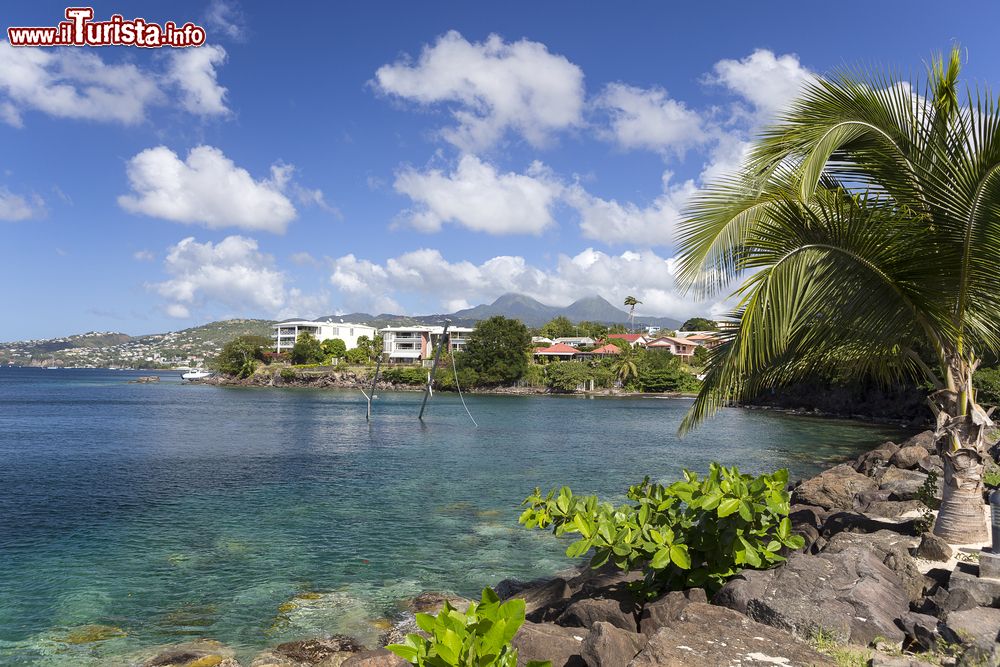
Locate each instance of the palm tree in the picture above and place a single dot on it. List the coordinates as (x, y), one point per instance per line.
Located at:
(625, 366)
(631, 302)
(865, 227)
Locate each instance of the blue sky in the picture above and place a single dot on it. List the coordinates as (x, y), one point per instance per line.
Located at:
(403, 157)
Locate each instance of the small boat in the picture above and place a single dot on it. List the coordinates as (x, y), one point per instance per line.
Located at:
(196, 374)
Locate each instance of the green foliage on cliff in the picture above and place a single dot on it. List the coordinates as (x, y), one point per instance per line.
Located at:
(239, 357)
(334, 347)
(307, 350)
(567, 375)
(497, 350)
(480, 637)
(987, 382)
(694, 532)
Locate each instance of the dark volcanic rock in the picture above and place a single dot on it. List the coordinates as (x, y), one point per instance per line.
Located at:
(546, 601)
(610, 646)
(973, 627)
(379, 658)
(921, 630)
(835, 488)
(903, 484)
(545, 641)
(892, 549)
(926, 439)
(855, 522)
(314, 651)
(667, 609)
(875, 458)
(585, 612)
(892, 509)
(710, 636)
(933, 547)
(985, 592)
(850, 594)
(909, 457)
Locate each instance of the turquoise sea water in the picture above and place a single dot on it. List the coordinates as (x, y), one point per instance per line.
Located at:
(173, 511)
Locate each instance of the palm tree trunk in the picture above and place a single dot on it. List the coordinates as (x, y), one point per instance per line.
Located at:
(961, 518)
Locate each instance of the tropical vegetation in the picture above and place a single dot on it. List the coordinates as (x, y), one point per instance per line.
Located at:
(479, 637)
(865, 227)
(694, 532)
(240, 356)
(497, 351)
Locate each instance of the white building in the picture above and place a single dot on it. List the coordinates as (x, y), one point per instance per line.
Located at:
(285, 333)
(415, 344)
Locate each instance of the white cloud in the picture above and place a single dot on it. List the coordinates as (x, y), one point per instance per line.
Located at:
(207, 188)
(227, 19)
(304, 259)
(14, 208)
(193, 71)
(492, 87)
(426, 274)
(627, 223)
(177, 310)
(72, 83)
(480, 198)
(232, 272)
(649, 119)
(768, 81)
(80, 84)
(143, 256)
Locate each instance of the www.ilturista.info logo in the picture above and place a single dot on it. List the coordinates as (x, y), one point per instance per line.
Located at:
(79, 29)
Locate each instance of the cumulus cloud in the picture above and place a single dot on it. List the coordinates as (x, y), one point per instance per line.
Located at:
(143, 256)
(476, 196)
(491, 87)
(649, 119)
(208, 189)
(72, 83)
(766, 80)
(194, 72)
(227, 19)
(14, 207)
(79, 84)
(627, 223)
(232, 272)
(427, 275)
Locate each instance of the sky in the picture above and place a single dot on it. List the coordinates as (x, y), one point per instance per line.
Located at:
(409, 157)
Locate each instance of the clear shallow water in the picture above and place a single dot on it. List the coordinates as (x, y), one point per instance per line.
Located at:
(176, 511)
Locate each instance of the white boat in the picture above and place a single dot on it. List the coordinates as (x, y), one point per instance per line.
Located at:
(196, 374)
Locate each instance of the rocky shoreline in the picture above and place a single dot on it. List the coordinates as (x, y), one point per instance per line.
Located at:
(868, 588)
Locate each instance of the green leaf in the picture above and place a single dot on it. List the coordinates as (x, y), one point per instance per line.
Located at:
(727, 507)
(660, 559)
(680, 557)
(784, 528)
(408, 653)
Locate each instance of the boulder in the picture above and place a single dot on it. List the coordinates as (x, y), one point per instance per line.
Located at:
(330, 652)
(891, 660)
(892, 549)
(667, 609)
(926, 439)
(545, 641)
(973, 627)
(546, 601)
(909, 457)
(932, 463)
(610, 646)
(985, 592)
(585, 612)
(855, 522)
(879, 456)
(932, 547)
(904, 484)
(921, 630)
(835, 488)
(850, 594)
(709, 636)
(893, 509)
(379, 658)
(430, 602)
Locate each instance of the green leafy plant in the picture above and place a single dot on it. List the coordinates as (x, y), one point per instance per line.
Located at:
(991, 475)
(694, 532)
(927, 494)
(480, 637)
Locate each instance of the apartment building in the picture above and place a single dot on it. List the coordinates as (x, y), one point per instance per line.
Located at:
(414, 344)
(285, 333)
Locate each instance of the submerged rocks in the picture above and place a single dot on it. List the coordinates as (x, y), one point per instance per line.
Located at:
(378, 658)
(200, 653)
(836, 488)
(707, 636)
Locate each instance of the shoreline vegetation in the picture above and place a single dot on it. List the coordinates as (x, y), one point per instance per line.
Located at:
(865, 583)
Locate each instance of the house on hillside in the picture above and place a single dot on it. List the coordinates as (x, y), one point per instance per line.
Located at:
(541, 340)
(415, 344)
(575, 341)
(635, 340)
(609, 350)
(679, 347)
(555, 352)
(286, 333)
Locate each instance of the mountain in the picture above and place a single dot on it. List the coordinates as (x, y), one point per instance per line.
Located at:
(532, 312)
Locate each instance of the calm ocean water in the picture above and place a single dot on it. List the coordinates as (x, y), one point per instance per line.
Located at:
(174, 511)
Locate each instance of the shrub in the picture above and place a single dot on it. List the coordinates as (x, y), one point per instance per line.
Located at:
(690, 533)
(987, 381)
(405, 375)
(307, 350)
(239, 357)
(287, 374)
(481, 636)
(566, 375)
